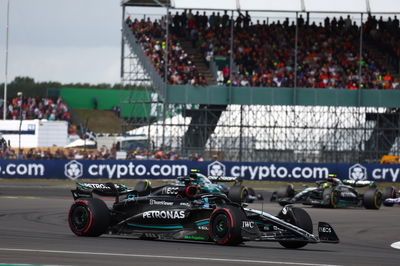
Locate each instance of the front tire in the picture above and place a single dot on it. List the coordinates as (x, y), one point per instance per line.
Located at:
(89, 217)
(225, 226)
(299, 218)
(372, 199)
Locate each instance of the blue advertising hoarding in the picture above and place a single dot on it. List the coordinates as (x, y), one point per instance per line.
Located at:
(152, 169)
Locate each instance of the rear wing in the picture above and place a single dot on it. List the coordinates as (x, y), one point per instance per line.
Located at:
(101, 189)
(359, 183)
(235, 179)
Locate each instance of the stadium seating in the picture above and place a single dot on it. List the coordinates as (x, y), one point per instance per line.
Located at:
(38, 108)
(264, 54)
(181, 69)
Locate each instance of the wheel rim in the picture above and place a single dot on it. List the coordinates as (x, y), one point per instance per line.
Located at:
(80, 218)
(334, 198)
(221, 226)
(378, 199)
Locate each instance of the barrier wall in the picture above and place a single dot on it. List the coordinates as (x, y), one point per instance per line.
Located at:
(124, 169)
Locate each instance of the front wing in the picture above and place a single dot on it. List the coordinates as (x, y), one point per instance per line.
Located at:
(279, 230)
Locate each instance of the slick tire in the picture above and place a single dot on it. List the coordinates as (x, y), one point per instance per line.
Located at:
(372, 199)
(89, 217)
(225, 225)
(331, 196)
(300, 218)
(238, 193)
(285, 191)
(388, 192)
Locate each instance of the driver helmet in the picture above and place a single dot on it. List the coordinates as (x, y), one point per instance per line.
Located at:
(325, 185)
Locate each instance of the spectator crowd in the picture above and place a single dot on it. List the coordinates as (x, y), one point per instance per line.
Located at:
(103, 153)
(327, 54)
(49, 108)
(181, 70)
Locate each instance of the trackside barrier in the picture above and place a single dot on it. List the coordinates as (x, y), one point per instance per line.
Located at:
(151, 169)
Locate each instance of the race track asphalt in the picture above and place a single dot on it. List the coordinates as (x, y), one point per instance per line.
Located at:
(34, 230)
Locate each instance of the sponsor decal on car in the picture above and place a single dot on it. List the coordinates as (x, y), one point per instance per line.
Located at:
(194, 237)
(170, 190)
(95, 185)
(247, 224)
(324, 229)
(160, 202)
(164, 215)
(203, 227)
(222, 178)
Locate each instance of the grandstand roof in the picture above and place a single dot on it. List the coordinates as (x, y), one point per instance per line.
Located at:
(144, 3)
(314, 6)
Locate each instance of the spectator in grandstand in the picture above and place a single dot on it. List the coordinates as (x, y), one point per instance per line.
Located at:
(3, 142)
(328, 56)
(38, 108)
(103, 153)
(181, 69)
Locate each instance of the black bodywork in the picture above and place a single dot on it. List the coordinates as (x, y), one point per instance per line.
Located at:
(180, 212)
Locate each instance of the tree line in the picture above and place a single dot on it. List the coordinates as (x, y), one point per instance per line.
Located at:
(29, 87)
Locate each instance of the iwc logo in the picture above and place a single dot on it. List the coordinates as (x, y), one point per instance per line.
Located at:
(216, 169)
(357, 172)
(73, 170)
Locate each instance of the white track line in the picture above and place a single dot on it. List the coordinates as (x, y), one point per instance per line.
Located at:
(395, 245)
(163, 257)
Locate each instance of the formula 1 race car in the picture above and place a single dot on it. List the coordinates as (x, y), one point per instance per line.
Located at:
(213, 184)
(332, 193)
(179, 212)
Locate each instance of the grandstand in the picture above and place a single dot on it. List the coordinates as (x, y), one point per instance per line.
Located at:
(254, 87)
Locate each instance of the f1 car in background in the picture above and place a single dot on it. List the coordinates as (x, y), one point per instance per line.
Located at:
(332, 193)
(179, 211)
(390, 196)
(213, 184)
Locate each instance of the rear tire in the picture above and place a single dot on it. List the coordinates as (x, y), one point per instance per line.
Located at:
(372, 199)
(285, 191)
(388, 192)
(89, 217)
(299, 218)
(238, 193)
(331, 196)
(225, 225)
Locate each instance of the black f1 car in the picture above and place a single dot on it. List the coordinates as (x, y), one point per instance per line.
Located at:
(332, 193)
(180, 212)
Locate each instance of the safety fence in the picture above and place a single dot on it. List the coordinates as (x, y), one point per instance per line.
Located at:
(150, 169)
